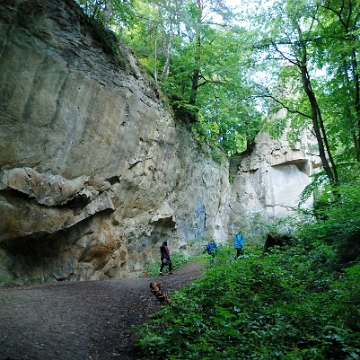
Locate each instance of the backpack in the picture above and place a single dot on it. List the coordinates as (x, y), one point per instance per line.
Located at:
(239, 242)
(211, 247)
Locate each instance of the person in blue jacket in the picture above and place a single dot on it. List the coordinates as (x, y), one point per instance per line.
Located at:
(211, 247)
(239, 244)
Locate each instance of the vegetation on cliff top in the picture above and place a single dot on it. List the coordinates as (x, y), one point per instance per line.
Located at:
(225, 70)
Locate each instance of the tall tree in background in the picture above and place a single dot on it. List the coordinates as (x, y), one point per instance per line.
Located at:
(193, 54)
(288, 41)
(152, 35)
(338, 55)
(309, 50)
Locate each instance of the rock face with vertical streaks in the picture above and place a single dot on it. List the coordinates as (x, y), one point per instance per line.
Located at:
(95, 173)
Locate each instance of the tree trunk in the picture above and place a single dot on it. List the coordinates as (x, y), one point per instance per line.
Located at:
(317, 121)
(166, 69)
(155, 64)
(356, 80)
(196, 73)
(107, 13)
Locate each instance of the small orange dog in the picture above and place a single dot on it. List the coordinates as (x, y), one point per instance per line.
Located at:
(156, 288)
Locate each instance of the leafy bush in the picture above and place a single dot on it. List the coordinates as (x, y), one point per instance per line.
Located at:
(298, 302)
(279, 305)
(255, 228)
(335, 220)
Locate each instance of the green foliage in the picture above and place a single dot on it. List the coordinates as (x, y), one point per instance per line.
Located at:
(104, 35)
(110, 13)
(335, 220)
(225, 72)
(201, 66)
(184, 111)
(299, 302)
(284, 305)
(109, 43)
(217, 155)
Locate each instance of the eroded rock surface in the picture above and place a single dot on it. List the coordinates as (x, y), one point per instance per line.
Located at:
(268, 182)
(95, 173)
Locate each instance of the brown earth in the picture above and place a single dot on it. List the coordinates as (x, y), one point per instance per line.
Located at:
(81, 320)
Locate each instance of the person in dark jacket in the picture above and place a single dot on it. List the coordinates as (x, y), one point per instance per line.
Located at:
(165, 258)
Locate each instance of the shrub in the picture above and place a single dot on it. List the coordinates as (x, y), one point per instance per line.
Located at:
(279, 305)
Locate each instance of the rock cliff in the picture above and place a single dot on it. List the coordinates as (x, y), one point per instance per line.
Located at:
(94, 171)
(267, 183)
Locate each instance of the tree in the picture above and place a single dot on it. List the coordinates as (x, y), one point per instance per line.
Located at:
(287, 42)
(219, 68)
(114, 14)
(338, 53)
(194, 47)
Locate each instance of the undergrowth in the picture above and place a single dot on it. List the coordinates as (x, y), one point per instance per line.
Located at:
(297, 302)
(285, 304)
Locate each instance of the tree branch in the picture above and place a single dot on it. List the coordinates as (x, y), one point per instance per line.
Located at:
(282, 54)
(284, 106)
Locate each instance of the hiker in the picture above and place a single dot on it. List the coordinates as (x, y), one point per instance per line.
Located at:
(239, 244)
(211, 249)
(165, 258)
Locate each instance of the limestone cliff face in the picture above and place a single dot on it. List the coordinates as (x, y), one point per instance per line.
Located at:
(94, 171)
(267, 183)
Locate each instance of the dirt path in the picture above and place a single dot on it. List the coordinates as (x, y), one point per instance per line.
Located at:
(80, 320)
